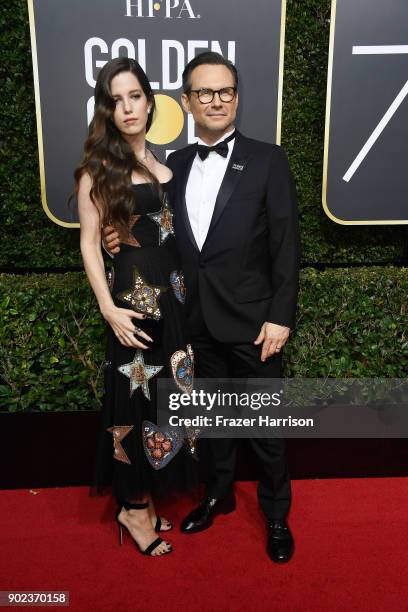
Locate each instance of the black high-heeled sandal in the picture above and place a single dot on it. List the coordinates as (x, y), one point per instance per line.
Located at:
(153, 545)
(158, 525)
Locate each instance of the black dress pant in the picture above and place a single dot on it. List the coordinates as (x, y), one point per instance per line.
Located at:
(214, 359)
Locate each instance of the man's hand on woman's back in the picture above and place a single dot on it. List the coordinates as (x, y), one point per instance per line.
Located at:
(110, 239)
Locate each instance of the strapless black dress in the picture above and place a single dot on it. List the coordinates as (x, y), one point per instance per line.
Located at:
(134, 457)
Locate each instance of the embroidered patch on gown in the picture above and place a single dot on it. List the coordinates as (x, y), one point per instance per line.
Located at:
(125, 233)
(139, 373)
(143, 297)
(192, 434)
(161, 446)
(177, 283)
(182, 367)
(164, 219)
(119, 432)
(110, 277)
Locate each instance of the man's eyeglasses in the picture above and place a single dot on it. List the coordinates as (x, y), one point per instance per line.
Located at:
(205, 96)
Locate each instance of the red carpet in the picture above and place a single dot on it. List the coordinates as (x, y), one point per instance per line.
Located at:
(351, 554)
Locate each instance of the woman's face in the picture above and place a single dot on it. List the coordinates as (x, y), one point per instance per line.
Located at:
(132, 107)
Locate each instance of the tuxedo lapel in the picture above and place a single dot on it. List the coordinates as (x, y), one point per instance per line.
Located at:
(232, 176)
(182, 196)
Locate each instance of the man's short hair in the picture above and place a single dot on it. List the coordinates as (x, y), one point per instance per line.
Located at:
(208, 57)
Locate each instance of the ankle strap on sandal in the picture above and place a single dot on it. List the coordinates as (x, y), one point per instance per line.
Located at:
(131, 506)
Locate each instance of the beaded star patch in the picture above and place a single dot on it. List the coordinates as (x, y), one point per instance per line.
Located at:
(119, 432)
(139, 373)
(182, 367)
(161, 446)
(143, 297)
(177, 283)
(164, 219)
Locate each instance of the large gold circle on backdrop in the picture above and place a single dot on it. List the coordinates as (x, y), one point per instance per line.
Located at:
(168, 121)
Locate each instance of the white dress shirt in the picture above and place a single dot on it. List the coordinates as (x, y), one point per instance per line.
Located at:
(202, 188)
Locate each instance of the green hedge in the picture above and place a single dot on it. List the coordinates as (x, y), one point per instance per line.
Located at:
(51, 343)
(351, 323)
(29, 238)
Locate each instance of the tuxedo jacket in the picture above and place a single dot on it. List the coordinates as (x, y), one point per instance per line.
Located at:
(247, 271)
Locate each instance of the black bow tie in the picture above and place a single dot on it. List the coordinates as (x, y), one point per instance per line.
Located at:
(221, 148)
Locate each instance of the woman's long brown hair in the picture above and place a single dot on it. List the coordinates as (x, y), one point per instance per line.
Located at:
(107, 157)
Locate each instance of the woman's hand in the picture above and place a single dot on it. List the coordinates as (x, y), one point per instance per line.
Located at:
(120, 320)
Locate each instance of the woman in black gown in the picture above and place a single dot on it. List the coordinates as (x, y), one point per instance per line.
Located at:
(120, 182)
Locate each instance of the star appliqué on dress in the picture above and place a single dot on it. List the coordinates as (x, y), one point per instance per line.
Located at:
(119, 432)
(164, 219)
(125, 234)
(143, 297)
(139, 373)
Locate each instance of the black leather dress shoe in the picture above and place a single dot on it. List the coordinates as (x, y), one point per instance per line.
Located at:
(202, 517)
(280, 544)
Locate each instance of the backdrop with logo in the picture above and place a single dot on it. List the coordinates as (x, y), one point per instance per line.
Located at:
(72, 40)
(366, 148)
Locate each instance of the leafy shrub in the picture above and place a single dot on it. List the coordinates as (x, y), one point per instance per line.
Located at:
(351, 323)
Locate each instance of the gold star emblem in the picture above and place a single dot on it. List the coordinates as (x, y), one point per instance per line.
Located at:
(143, 297)
(164, 219)
(139, 373)
(119, 432)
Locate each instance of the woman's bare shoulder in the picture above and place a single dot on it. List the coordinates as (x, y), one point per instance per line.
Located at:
(85, 182)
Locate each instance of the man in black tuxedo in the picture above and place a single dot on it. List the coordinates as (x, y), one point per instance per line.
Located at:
(236, 225)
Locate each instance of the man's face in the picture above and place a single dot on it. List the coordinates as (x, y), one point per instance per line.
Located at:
(216, 116)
